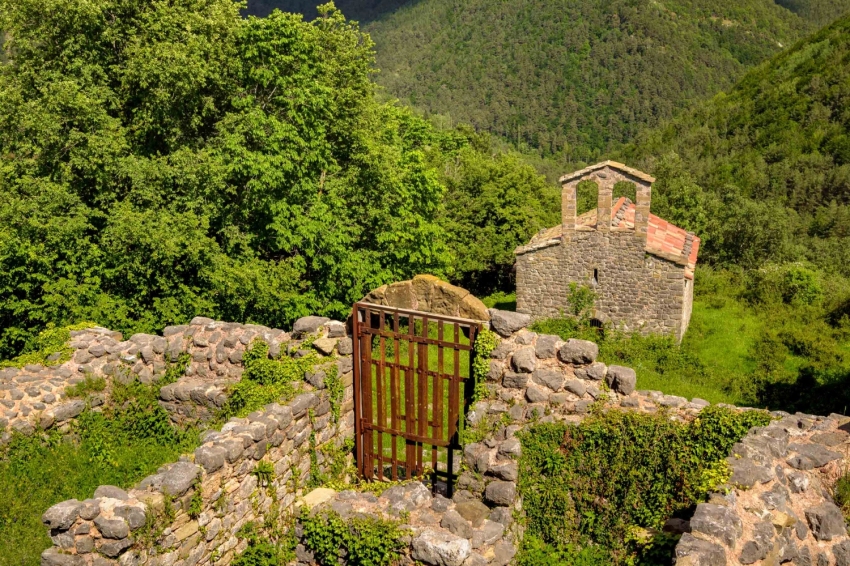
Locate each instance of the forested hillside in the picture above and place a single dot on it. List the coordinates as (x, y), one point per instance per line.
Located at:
(772, 159)
(819, 12)
(166, 160)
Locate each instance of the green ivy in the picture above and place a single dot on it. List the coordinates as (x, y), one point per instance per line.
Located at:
(485, 343)
(333, 383)
(595, 482)
(364, 541)
(261, 550)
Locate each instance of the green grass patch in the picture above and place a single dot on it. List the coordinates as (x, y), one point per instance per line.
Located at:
(125, 440)
(500, 300)
(610, 483)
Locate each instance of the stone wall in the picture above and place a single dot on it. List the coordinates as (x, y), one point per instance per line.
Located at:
(219, 481)
(34, 397)
(777, 507)
(635, 291)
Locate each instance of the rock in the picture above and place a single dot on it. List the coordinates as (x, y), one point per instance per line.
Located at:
(301, 403)
(112, 492)
(113, 548)
(454, 523)
(621, 379)
(489, 533)
(440, 548)
(576, 387)
(440, 504)
(717, 521)
(692, 551)
(515, 380)
(175, 481)
(68, 410)
(526, 337)
(316, 378)
(112, 528)
(506, 323)
(503, 553)
(336, 329)
(798, 482)
(502, 351)
(578, 352)
(746, 473)
(475, 559)
(553, 379)
(52, 557)
(473, 511)
(62, 515)
(762, 543)
(308, 324)
(811, 456)
(826, 521)
(841, 551)
(210, 457)
(345, 347)
(545, 347)
(325, 345)
(134, 516)
(524, 360)
(507, 471)
(407, 497)
(503, 515)
(536, 394)
(501, 493)
(318, 496)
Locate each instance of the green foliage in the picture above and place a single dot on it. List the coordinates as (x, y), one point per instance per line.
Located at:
(333, 383)
(594, 482)
(364, 541)
(48, 348)
(586, 75)
(494, 204)
(127, 440)
(841, 495)
(535, 552)
(761, 172)
(261, 551)
(264, 472)
(196, 503)
(485, 343)
(265, 380)
(790, 283)
(580, 298)
(86, 387)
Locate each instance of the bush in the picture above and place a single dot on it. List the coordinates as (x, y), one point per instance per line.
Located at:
(593, 483)
(364, 541)
(790, 283)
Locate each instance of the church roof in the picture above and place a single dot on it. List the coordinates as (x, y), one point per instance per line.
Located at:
(663, 238)
(613, 165)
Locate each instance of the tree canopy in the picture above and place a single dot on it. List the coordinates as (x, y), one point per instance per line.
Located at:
(160, 160)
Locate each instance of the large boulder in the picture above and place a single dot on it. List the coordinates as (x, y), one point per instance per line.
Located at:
(506, 323)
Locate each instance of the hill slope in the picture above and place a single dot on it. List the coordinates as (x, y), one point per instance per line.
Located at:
(819, 12)
(776, 150)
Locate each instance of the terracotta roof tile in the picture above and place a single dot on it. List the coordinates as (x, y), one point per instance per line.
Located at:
(662, 237)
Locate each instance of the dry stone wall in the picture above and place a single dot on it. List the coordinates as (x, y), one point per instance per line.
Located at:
(429, 294)
(776, 509)
(34, 397)
(190, 511)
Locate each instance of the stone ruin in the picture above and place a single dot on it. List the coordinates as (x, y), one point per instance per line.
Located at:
(778, 507)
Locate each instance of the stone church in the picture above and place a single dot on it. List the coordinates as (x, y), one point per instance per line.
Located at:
(641, 267)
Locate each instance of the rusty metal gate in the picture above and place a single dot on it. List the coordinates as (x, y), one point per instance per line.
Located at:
(412, 388)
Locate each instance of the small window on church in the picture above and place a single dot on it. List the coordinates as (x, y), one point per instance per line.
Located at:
(595, 281)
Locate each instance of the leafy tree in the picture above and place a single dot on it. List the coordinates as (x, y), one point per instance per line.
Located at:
(164, 159)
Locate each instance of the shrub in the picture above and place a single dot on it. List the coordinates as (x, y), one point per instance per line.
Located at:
(48, 348)
(594, 482)
(364, 541)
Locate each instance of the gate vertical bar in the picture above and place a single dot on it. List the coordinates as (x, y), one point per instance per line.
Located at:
(358, 394)
(395, 396)
(366, 382)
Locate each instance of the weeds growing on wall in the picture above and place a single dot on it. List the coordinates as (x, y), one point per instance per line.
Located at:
(265, 380)
(485, 343)
(364, 541)
(263, 550)
(119, 443)
(598, 482)
(48, 348)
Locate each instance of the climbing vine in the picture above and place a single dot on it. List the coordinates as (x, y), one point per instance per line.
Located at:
(485, 343)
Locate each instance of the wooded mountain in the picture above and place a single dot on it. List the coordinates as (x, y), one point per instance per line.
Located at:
(570, 77)
(771, 159)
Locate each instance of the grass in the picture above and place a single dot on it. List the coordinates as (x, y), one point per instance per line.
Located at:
(37, 474)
